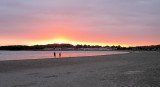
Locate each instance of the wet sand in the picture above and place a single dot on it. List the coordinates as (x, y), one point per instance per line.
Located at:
(136, 69)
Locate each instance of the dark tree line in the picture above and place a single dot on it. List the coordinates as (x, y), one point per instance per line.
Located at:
(141, 48)
(22, 47)
(41, 47)
(59, 45)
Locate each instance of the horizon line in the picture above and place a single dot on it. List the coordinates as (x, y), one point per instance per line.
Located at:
(81, 44)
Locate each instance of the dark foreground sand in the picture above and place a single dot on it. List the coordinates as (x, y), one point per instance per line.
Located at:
(136, 69)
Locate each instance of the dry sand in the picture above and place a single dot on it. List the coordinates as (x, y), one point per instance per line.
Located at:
(136, 69)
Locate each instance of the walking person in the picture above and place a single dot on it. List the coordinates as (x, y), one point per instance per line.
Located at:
(54, 54)
(60, 54)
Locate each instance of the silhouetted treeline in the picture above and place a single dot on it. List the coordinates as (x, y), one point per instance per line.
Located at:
(87, 46)
(22, 47)
(42, 47)
(35, 47)
(59, 45)
(141, 48)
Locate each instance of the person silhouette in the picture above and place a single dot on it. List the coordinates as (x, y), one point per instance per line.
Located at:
(60, 54)
(55, 54)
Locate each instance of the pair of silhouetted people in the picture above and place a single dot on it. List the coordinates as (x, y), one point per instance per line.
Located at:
(59, 54)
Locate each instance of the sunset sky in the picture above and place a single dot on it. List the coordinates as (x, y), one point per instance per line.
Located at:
(102, 22)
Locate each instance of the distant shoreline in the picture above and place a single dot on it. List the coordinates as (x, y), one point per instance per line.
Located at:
(29, 55)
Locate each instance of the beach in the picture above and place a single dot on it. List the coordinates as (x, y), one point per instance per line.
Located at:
(135, 69)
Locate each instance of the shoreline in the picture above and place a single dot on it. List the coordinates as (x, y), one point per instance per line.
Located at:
(38, 55)
(127, 52)
(15, 65)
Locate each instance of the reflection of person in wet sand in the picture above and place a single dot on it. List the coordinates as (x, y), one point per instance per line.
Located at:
(55, 54)
(60, 54)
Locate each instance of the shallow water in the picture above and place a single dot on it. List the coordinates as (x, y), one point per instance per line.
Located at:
(20, 55)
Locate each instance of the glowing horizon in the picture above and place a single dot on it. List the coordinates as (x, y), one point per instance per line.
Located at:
(91, 22)
(67, 41)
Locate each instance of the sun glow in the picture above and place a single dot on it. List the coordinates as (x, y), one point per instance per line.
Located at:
(60, 40)
(67, 41)
(56, 40)
(63, 40)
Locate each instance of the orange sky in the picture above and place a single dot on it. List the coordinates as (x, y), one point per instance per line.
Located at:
(93, 22)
